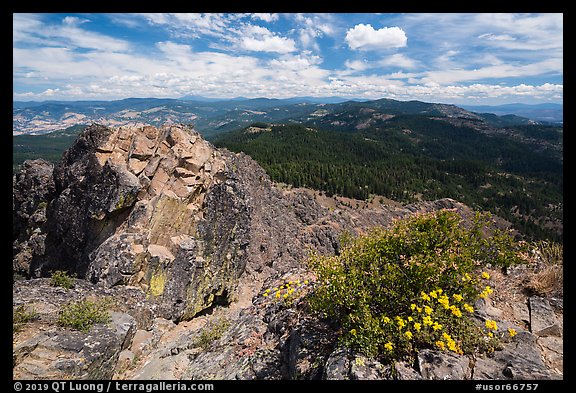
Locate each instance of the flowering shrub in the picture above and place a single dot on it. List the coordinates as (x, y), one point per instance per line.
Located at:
(287, 292)
(393, 292)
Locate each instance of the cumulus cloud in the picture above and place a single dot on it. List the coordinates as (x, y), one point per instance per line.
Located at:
(257, 38)
(266, 17)
(365, 37)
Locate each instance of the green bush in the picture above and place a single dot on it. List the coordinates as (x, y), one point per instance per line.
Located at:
(21, 315)
(84, 314)
(212, 332)
(395, 291)
(61, 278)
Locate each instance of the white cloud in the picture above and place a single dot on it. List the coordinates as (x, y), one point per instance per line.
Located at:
(73, 21)
(398, 60)
(365, 37)
(447, 62)
(496, 37)
(502, 70)
(310, 27)
(356, 65)
(257, 38)
(31, 29)
(266, 17)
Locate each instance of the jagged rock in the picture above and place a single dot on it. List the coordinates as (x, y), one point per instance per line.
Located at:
(338, 365)
(32, 188)
(552, 349)
(405, 372)
(442, 365)
(363, 368)
(543, 321)
(72, 354)
(520, 359)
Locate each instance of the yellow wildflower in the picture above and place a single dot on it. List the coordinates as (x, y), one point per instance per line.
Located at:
(436, 326)
(490, 324)
(388, 346)
(419, 309)
(433, 294)
(440, 344)
(457, 297)
(466, 277)
(485, 276)
(386, 320)
(452, 346)
(468, 307)
(410, 319)
(428, 310)
(418, 326)
(278, 294)
(439, 291)
(427, 320)
(443, 300)
(265, 294)
(512, 332)
(425, 296)
(401, 322)
(285, 296)
(456, 311)
(408, 334)
(412, 307)
(353, 332)
(305, 282)
(487, 291)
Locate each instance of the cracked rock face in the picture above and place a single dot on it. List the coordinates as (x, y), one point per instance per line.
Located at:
(129, 207)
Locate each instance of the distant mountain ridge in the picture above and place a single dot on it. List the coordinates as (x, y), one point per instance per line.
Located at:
(545, 112)
(211, 117)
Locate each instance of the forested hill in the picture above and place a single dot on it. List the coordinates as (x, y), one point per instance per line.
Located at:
(515, 173)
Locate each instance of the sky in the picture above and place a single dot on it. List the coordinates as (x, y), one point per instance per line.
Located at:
(470, 58)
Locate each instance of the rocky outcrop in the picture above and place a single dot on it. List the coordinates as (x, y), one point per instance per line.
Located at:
(45, 350)
(162, 209)
(32, 187)
(145, 207)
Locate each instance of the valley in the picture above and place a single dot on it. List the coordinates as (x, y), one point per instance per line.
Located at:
(405, 151)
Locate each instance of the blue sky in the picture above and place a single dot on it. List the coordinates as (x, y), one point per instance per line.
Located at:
(449, 58)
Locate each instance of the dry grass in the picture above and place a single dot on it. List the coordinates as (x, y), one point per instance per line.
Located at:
(548, 282)
(548, 279)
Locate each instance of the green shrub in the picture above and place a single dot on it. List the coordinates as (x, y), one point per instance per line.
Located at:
(211, 332)
(395, 291)
(21, 315)
(84, 314)
(61, 278)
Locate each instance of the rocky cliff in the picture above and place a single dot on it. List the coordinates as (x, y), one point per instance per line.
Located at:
(185, 236)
